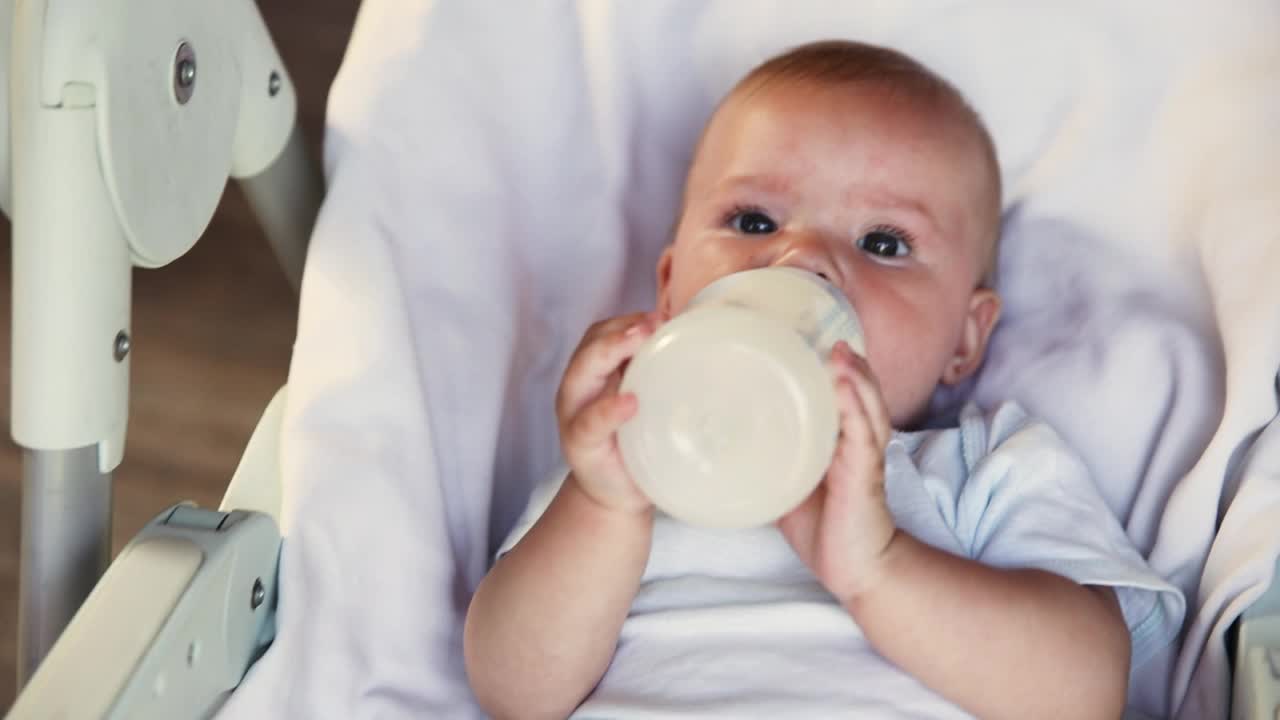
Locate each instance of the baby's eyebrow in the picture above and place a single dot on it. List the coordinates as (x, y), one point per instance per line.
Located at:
(909, 205)
(771, 184)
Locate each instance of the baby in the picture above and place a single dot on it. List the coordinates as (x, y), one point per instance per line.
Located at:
(972, 570)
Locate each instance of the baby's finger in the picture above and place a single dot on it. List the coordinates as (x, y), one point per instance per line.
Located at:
(856, 434)
(842, 360)
(592, 429)
(872, 401)
(596, 360)
(610, 326)
(849, 365)
(853, 476)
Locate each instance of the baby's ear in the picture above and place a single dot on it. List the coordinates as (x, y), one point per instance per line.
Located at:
(979, 321)
(664, 283)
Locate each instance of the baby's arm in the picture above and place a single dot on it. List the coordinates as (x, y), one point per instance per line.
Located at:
(544, 623)
(999, 643)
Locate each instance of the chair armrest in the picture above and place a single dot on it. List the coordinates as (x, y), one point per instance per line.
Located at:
(172, 626)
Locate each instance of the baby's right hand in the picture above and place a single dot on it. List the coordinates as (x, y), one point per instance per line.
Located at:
(590, 410)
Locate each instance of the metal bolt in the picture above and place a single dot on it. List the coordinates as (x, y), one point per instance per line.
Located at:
(273, 83)
(184, 73)
(259, 594)
(123, 345)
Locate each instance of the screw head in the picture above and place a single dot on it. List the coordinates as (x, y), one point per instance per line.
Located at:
(122, 345)
(273, 83)
(259, 594)
(184, 73)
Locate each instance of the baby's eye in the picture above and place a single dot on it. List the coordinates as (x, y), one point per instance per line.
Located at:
(752, 222)
(886, 243)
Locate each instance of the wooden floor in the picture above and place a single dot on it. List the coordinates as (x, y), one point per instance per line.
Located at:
(212, 334)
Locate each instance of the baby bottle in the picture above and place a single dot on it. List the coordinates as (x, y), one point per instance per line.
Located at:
(737, 419)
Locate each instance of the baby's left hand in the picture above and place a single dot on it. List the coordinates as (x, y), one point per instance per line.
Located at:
(843, 530)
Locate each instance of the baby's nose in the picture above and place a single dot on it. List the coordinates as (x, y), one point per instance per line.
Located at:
(810, 256)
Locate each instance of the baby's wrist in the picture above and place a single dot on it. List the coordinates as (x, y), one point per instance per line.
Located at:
(875, 577)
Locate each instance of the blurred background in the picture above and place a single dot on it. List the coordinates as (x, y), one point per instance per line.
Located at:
(211, 338)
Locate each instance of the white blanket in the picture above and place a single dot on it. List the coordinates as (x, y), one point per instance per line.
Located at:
(502, 174)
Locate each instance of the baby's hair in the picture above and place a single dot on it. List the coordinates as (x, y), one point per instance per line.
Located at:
(845, 62)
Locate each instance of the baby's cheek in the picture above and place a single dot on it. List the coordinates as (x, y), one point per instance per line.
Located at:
(885, 360)
(905, 371)
(696, 268)
(686, 281)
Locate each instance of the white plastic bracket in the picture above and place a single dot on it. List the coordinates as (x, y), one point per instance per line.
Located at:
(126, 118)
(122, 121)
(172, 626)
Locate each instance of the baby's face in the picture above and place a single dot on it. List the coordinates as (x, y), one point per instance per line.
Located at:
(869, 192)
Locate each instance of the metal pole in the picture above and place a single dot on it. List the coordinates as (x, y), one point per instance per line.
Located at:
(65, 545)
(71, 275)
